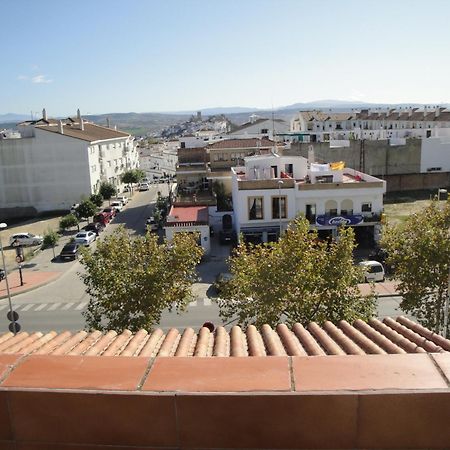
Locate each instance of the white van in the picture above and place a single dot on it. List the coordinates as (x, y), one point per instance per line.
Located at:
(373, 271)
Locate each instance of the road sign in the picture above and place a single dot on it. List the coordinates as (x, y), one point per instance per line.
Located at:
(19, 258)
(14, 327)
(14, 314)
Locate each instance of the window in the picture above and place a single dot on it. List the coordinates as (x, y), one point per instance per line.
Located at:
(366, 207)
(311, 213)
(255, 208)
(264, 130)
(109, 163)
(277, 204)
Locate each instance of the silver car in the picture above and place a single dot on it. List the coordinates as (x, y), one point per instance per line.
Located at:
(25, 239)
(85, 238)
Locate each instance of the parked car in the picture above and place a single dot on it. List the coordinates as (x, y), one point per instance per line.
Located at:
(85, 238)
(2, 275)
(373, 271)
(143, 187)
(102, 218)
(118, 206)
(122, 198)
(25, 239)
(227, 237)
(111, 211)
(95, 227)
(151, 224)
(70, 251)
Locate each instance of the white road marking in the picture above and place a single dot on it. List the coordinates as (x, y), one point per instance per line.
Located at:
(54, 306)
(81, 306)
(67, 306)
(41, 307)
(27, 307)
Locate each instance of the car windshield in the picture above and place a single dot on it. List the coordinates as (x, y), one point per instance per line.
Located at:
(81, 235)
(69, 247)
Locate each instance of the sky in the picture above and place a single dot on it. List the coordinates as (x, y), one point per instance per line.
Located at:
(105, 56)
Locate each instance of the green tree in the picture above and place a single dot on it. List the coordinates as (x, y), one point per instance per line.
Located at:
(131, 281)
(51, 238)
(132, 176)
(96, 199)
(297, 279)
(69, 221)
(224, 201)
(419, 252)
(86, 209)
(107, 190)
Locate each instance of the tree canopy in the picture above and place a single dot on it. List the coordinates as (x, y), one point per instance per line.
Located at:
(419, 252)
(107, 190)
(96, 199)
(132, 176)
(86, 209)
(132, 280)
(297, 279)
(68, 221)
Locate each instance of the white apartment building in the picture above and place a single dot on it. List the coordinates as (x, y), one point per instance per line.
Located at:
(374, 124)
(56, 162)
(259, 127)
(329, 195)
(158, 160)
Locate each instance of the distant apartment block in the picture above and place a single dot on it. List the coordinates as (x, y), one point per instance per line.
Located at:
(56, 162)
(270, 191)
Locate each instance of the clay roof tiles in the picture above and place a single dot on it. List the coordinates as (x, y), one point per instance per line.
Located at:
(374, 337)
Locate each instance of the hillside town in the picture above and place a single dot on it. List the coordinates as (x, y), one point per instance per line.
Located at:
(224, 225)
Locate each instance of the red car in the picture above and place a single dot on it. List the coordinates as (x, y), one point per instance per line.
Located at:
(102, 218)
(111, 211)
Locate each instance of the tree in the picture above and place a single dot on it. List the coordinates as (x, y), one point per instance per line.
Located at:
(131, 281)
(86, 209)
(107, 190)
(419, 252)
(297, 279)
(224, 201)
(51, 238)
(69, 221)
(132, 176)
(96, 199)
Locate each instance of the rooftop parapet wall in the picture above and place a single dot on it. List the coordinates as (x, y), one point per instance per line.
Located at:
(339, 402)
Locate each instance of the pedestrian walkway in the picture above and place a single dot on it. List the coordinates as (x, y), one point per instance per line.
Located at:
(44, 307)
(31, 280)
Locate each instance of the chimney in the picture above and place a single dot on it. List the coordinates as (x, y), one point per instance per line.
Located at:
(108, 124)
(78, 115)
(81, 124)
(60, 127)
(44, 114)
(437, 112)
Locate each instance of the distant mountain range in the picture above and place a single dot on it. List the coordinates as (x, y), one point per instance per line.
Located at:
(142, 123)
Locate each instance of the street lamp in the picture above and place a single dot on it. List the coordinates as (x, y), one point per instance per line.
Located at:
(441, 191)
(280, 183)
(2, 226)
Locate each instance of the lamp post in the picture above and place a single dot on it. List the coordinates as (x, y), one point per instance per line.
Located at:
(280, 183)
(2, 226)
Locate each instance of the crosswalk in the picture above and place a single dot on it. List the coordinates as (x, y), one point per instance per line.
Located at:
(76, 306)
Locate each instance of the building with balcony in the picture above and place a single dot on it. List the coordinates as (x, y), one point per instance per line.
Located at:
(270, 191)
(55, 163)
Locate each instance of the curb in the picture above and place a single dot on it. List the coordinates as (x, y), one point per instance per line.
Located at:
(31, 288)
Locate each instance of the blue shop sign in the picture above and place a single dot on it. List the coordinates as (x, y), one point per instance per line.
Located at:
(324, 220)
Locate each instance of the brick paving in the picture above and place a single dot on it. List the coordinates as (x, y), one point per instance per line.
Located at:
(32, 280)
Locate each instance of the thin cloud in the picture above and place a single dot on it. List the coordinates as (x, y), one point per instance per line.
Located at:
(22, 77)
(39, 79)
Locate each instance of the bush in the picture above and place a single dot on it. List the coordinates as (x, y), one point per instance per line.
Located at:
(51, 238)
(68, 221)
(97, 199)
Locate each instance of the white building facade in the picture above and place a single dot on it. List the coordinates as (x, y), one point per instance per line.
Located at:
(270, 191)
(56, 162)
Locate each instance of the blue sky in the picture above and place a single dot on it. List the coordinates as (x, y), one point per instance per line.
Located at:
(171, 55)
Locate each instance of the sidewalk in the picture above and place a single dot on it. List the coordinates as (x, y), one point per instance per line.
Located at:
(32, 280)
(384, 289)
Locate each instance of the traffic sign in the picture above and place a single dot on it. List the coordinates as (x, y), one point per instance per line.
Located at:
(14, 314)
(14, 327)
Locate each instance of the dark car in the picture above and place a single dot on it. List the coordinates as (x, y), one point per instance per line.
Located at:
(70, 251)
(2, 274)
(227, 237)
(95, 227)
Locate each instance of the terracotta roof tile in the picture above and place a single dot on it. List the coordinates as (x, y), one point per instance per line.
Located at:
(388, 337)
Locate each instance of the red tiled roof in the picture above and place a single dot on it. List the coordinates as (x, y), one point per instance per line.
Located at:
(189, 213)
(242, 143)
(391, 336)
